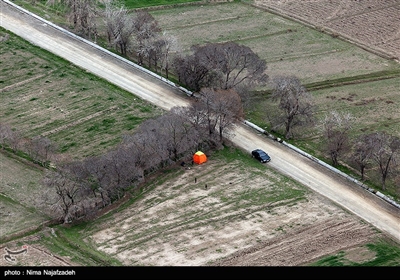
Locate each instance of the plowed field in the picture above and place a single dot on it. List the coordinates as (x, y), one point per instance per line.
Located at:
(373, 24)
(245, 217)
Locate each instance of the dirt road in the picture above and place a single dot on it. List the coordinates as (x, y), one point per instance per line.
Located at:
(369, 207)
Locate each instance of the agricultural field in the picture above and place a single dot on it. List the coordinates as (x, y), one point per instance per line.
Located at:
(373, 24)
(249, 214)
(20, 207)
(288, 47)
(44, 95)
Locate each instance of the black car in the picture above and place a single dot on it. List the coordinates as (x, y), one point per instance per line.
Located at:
(260, 155)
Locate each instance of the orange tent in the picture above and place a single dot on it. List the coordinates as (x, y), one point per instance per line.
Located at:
(199, 157)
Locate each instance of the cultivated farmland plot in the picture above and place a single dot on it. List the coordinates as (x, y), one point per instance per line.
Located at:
(42, 94)
(371, 23)
(288, 47)
(20, 207)
(248, 215)
(182, 223)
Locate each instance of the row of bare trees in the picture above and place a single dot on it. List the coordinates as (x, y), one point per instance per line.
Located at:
(131, 33)
(39, 149)
(81, 14)
(376, 150)
(219, 66)
(138, 33)
(80, 188)
(216, 65)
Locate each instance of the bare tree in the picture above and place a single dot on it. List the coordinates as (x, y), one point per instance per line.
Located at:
(41, 149)
(362, 152)
(162, 45)
(294, 101)
(228, 110)
(385, 151)
(196, 114)
(221, 65)
(82, 15)
(206, 108)
(119, 171)
(191, 72)
(139, 153)
(179, 135)
(120, 27)
(98, 178)
(63, 205)
(221, 110)
(145, 29)
(15, 140)
(335, 128)
(156, 147)
(5, 135)
(70, 195)
(236, 64)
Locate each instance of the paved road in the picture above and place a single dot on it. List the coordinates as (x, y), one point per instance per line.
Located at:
(369, 207)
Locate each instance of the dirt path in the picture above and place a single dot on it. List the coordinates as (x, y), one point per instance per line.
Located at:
(370, 208)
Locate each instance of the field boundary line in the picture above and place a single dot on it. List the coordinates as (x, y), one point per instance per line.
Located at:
(79, 121)
(202, 23)
(372, 49)
(24, 81)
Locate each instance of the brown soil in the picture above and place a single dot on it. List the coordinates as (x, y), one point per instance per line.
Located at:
(302, 246)
(372, 24)
(35, 255)
(165, 233)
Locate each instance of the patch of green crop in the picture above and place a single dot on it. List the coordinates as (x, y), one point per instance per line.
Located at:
(68, 242)
(384, 253)
(133, 4)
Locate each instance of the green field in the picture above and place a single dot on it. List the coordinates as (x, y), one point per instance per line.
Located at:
(20, 193)
(45, 95)
(383, 251)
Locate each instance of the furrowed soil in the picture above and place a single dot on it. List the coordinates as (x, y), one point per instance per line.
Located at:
(246, 217)
(373, 24)
(241, 219)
